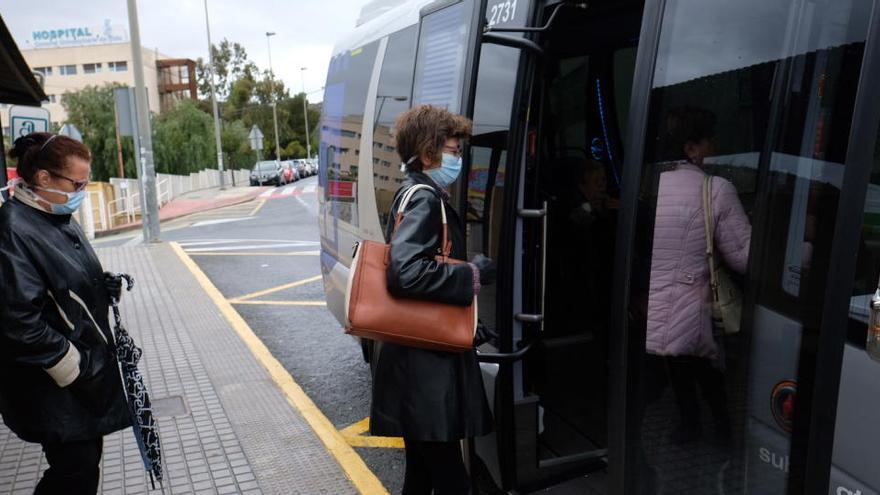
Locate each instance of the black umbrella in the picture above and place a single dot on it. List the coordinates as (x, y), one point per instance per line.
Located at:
(143, 423)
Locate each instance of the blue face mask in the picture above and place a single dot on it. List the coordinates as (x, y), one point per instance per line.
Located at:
(448, 172)
(74, 200)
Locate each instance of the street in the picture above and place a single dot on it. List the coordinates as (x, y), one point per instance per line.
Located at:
(263, 257)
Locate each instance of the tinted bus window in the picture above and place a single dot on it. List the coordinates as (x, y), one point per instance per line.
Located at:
(343, 114)
(856, 435)
(392, 98)
(718, 405)
(496, 83)
(441, 59)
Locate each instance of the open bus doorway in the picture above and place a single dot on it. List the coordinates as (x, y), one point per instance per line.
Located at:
(564, 112)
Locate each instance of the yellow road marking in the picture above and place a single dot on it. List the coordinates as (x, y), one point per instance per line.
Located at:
(230, 253)
(358, 428)
(355, 437)
(276, 289)
(257, 208)
(357, 471)
(280, 303)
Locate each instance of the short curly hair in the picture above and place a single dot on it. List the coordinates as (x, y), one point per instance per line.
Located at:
(424, 129)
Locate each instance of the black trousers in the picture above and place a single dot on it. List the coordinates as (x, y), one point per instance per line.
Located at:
(687, 373)
(73, 468)
(436, 466)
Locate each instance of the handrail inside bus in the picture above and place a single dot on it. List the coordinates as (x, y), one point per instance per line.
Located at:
(505, 357)
(521, 43)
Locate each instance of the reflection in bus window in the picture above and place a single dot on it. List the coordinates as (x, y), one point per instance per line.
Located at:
(730, 413)
(857, 407)
(343, 115)
(496, 84)
(392, 98)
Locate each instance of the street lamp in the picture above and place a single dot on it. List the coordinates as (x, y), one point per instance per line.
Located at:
(302, 73)
(382, 99)
(272, 95)
(214, 102)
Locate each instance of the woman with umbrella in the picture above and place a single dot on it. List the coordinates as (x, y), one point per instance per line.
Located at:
(60, 383)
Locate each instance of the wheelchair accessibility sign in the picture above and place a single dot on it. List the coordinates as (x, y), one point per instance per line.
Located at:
(24, 120)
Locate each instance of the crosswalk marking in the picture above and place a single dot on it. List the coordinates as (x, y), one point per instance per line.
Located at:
(287, 191)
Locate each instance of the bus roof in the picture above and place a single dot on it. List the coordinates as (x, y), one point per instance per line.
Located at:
(392, 20)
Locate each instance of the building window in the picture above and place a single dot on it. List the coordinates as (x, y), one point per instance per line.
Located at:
(67, 70)
(46, 71)
(121, 66)
(91, 68)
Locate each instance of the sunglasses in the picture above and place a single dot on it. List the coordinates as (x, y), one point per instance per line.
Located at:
(78, 185)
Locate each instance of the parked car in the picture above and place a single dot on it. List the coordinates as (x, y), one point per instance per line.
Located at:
(313, 164)
(289, 172)
(267, 172)
(301, 167)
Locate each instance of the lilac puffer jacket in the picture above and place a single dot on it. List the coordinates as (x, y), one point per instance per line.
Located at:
(679, 310)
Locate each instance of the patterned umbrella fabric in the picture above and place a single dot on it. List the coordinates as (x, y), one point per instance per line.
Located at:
(144, 426)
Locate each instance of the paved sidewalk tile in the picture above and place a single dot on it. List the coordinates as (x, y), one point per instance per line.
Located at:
(236, 432)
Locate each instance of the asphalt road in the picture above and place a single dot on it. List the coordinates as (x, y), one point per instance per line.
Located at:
(260, 248)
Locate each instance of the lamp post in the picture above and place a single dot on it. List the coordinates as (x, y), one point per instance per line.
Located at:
(272, 95)
(214, 101)
(302, 73)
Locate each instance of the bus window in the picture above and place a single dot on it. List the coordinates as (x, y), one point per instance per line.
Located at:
(856, 436)
(496, 83)
(441, 58)
(392, 98)
(718, 405)
(343, 115)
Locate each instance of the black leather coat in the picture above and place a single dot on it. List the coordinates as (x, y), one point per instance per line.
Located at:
(421, 394)
(59, 379)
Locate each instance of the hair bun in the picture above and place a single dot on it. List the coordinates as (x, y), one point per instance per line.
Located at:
(23, 144)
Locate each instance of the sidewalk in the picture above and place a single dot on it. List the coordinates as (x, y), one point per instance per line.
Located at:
(195, 202)
(230, 421)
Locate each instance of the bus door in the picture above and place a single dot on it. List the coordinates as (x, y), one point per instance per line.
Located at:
(549, 104)
(761, 95)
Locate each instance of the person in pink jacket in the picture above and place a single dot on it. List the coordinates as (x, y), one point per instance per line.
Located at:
(679, 327)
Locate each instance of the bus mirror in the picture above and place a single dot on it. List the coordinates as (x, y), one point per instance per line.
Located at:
(872, 345)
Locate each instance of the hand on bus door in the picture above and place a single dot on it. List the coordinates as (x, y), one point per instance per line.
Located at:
(487, 268)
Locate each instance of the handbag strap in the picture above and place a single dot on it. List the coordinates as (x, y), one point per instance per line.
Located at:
(710, 234)
(446, 247)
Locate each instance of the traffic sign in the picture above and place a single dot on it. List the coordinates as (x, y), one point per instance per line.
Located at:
(71, 131)
(256, 138)
(24, 120)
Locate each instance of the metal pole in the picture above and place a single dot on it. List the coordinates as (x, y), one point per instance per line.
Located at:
(272, 95)
(214, 101)
(302, 72)
(3, 171)
(146, 171)
(118, 144)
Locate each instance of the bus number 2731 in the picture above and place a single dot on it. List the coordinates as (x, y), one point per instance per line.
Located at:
(502, 12)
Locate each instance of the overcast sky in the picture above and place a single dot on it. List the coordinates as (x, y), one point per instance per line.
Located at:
(306, 29)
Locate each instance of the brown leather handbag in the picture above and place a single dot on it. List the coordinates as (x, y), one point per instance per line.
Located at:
(375, 314)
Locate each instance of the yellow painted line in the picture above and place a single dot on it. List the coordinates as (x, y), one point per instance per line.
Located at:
(355, 437)
(279, 288)
(257, 208)
(375, 442)
(280, 303)
(357, 471)
(358, 428)
(232, 253)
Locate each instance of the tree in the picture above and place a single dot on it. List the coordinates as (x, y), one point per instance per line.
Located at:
(230, 64)
(92, 110)
(236, 148)
(184, 139)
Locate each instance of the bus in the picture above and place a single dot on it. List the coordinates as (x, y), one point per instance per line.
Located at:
(556, 87)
